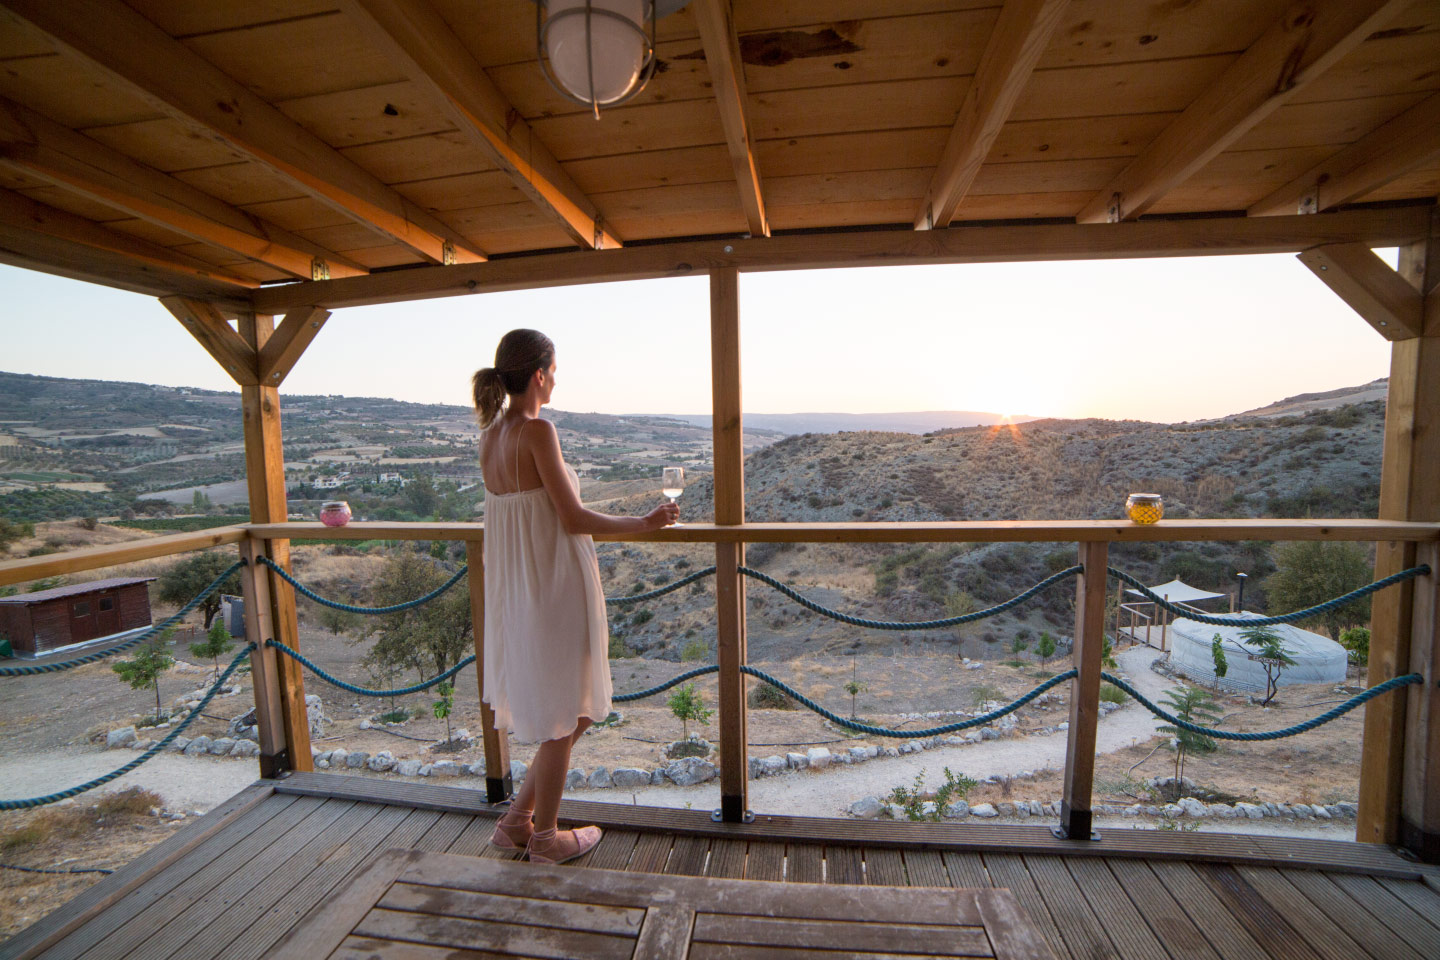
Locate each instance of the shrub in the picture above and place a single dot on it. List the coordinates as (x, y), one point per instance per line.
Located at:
(642, 617)
(619, 649)
(913, 799)
(1109, 693)
(398, 715)
(694, 650)
(763, 696)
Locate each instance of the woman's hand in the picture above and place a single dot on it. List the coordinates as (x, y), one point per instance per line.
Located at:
(662, 516)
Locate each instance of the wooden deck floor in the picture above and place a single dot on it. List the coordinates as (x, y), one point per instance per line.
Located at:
(233, 883)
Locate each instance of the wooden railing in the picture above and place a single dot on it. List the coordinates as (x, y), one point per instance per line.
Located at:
(279, 693)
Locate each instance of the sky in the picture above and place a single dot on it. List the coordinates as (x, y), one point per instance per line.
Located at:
(1162, 339)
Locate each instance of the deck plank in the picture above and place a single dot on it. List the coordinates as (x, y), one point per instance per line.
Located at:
(1176, 931)
(1418, 929)
(966, 869)
(885, 867)
(1248, 905)
(443, 833)
(1009, 871)
(614, 850)
(727, 859)
(1124, 924)
(1226, 934)
(651, 852)
(765, 860)
(926, 868)
(1363, 927)
(474, 841)
(1310, 922)
(687, 857)
(1084, 935)
(805, 863)
(844, 865)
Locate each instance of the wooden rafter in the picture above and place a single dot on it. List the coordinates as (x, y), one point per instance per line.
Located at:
(1302, 44)
(35, 145)
(1408, 141)
(415, 37)
(1380, 295)
(280, 353)
(20, 212)
(176, 80)
(209, 326)
(727, 76)
(1019, 38)
(990, 244)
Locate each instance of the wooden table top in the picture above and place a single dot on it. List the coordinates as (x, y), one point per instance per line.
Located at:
(419, 905)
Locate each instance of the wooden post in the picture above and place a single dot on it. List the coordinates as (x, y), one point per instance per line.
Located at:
(1420, 791)
(1075, 810)
(729, 508)
(1164, 623)
(269, 717)
(265, 473)
(497, 748)
(1408, 491)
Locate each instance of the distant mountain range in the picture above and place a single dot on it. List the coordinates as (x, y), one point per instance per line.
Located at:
(923, 421)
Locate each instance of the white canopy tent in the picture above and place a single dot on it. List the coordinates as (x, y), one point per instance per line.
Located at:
(1318, 659)
(1145, 614)
(1178, 591)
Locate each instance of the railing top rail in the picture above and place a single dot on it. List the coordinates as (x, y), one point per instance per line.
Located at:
(114, 554)
(961, 531)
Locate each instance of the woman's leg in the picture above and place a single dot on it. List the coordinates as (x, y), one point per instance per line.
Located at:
(523, 803)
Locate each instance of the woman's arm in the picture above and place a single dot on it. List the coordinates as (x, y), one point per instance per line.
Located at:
(543, 444)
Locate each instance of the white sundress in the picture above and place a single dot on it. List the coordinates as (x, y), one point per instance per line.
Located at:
(547, 642)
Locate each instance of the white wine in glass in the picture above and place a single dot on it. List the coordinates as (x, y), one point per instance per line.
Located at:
(672, 484)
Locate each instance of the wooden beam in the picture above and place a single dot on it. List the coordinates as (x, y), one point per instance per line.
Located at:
(1364, 281)
(498, 782)
(1075, 808)
(37, 146)
(729, 509)
(727, 76)
(987, 244)
(416, 38)
(1015, 45)
(1307, 39)
(20, 213)
(281, 351)
(264, 668)
(1407, 142)
(46, 254)
(209, 326)
(169, 75)
(25, 569)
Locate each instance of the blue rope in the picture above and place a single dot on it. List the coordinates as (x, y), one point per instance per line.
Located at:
(1352, 596)
(365, 691)
(126, 645)
(352, 608)
(900, 624)
(1311, 724)
(121, 771)
(659, 591)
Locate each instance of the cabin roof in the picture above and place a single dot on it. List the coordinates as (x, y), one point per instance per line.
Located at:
(74, 590)
(174, 147)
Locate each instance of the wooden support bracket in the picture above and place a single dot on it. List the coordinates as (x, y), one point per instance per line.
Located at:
(208, 325)
(283, 349)
(727, 78)
(1379, 294)
(264, 672)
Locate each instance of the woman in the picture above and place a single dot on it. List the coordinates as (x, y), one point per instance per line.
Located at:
(547, 668)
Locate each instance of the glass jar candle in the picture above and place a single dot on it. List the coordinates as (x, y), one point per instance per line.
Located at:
(335, 513)
(1144, 507)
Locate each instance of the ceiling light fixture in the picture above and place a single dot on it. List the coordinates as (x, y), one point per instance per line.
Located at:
(598, 52)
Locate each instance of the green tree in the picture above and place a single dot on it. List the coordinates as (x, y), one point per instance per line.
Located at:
(1107, 655)
(217, 643)
(687, 704)
(201, 502)
(1018, 645)
(854, 686)
(1193, 705)
(445, 704)
(1217, 656)
(1309, 572)
(1045, 647)
(1272, 654)
(11, 531)
(1356, 642)
(338, 621)
(430, 638)
(421, 497)
(184, 580)
(145, 667)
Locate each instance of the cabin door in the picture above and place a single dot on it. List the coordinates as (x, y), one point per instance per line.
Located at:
(84, 621)
(107, 614)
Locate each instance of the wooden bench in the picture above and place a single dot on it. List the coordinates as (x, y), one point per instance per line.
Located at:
(420, 905)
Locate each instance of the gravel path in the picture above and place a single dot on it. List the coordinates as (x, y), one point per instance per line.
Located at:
(186, 783)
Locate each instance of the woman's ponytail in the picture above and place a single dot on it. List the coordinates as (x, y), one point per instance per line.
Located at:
(489, 389)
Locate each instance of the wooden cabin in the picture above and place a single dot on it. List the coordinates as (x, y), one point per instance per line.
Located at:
(256, 165)
(49, 620)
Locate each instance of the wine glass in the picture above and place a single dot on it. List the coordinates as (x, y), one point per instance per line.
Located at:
(672, 484)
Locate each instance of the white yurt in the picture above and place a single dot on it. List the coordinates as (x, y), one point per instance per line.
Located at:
(1318, 659)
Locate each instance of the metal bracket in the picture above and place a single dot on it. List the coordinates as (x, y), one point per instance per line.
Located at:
(319, 269)
(1061, 833)
(1112, 211)
(1309, 203)
(447, 254)
(748, 818)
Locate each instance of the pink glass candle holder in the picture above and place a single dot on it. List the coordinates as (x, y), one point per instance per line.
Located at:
(335, 513)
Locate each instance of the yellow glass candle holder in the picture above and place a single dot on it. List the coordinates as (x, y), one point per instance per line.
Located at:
(1144, 507)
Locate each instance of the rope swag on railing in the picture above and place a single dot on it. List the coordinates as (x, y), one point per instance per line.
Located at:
(1351, 597)
(660, 591)
(335, 681)
(352, 608)
(198, 599)
(121, 771)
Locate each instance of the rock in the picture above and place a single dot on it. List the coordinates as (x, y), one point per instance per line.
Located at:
(408, 768)
(1250, 810)
(1063, 725)
(200, 745)
(1193, 808)
(426, 769)
(1334, 810)
(575, 779)
(974, 666)
(1303, 811)
(322, 755)
(1052, 810)
(322, 764)
(1222, 811)
(892, 751)
(896, 811)
(381, 762)
(599, 779)
(954, 741)
(517, 771)
(178, 745)
(1131, 811)
(445, 768)
(867, 807)
(984, 810)
(476, 769)
(773, 765)
(858, 755)
(1347, 809)
(957, 809)
(1171, 811)
(1150, 810)
(872, 751)
(357, 759)
(928, 808)
(629, 777)
(1320, 812)
(337, 756)
(1005, 809)
(797, 761)
(222, 746)
(688, 771)
(817, 758)
(657, 776)
(1022, 810)
(365, 724)
(122, 737)
(755, 769)
(142, 744)
(248, 748)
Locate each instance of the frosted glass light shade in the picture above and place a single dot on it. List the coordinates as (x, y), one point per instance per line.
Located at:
(616, 51)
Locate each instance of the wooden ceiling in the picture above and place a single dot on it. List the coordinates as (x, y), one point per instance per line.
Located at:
(203, 148)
